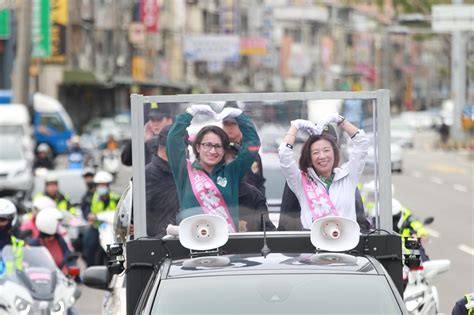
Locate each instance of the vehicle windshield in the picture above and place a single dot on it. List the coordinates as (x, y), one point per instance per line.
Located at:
(276, 294)
(16, 130)
(70, 183)
(33, 256)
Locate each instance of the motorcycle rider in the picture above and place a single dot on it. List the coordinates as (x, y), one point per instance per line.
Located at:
(8, 217)
(86, 201)
(76, 156)
(102, 200)
(42, 158)
(407, 225)
(28, 227)
(464, 306)
(47, 222)
(51, 190)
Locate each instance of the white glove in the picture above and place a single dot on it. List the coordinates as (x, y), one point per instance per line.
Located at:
(172, 230)
(228, 112)
(330, 118)
(201, 109)
(305, 125)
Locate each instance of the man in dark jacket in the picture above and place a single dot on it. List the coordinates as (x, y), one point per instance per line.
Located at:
(255, 175)
(86, 201)
(162, 205)
(159, 116)
(252, 203)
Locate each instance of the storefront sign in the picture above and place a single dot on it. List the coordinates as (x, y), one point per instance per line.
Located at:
(4, 24)
(40, 29)
(212, 48)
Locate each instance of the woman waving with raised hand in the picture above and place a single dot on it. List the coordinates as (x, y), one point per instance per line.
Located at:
(208, 182)
(321, 186)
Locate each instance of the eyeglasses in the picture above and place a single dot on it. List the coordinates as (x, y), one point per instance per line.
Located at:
(207, 146)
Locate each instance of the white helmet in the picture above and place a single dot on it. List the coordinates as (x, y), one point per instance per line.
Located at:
(47, 220)
(8, 210)
(396, 207)
(43, 202)
(43, 147)
(368, 191)
(103, 177)
(51, 178)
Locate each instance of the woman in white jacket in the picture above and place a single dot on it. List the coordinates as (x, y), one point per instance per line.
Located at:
(323, 188)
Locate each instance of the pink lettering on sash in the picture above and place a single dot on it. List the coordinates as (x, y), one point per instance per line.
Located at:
(209, 196)
(319, 202)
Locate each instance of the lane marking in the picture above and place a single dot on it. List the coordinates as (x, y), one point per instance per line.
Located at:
(466, 249)
(461, 188)
(446, 169)
(416, 174)
(436, 180)
(432, 232)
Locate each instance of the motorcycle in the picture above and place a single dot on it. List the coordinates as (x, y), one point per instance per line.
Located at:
(111, 161)
(39, 286)
(420, 296)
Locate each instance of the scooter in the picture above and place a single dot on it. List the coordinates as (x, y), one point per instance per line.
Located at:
(111, 161)
(38, 286)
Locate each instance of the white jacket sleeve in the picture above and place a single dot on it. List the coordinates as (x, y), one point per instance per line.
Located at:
(355, 165)
(290, 169)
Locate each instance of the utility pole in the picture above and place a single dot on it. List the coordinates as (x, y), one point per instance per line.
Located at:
(458, 80)
(21, 68)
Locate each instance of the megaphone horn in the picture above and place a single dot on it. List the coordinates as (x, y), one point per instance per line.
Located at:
(335, 234)
(203, 232)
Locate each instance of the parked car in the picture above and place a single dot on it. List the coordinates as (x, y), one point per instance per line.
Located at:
(16, 174)
(402, 133)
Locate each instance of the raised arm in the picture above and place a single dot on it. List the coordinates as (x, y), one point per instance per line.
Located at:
(250, 142)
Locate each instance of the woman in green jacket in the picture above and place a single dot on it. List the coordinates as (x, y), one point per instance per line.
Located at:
(208, 183)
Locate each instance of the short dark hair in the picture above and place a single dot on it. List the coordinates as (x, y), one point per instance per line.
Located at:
(207, 129)
(305, 158)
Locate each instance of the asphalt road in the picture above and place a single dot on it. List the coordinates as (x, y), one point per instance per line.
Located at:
(433, 183)
(440, 184)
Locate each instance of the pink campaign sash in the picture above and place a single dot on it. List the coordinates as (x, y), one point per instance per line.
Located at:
(209, 196)
(319, 202)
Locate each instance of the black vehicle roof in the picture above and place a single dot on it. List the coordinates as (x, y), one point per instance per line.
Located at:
(275, 263)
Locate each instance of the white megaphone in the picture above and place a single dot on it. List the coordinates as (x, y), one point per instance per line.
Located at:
(335, 234)
(203, 232)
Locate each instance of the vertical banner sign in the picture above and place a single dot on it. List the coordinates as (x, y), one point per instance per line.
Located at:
(40, 29)
(4, 24)
(149, 13)
(229, 17)
(59, 20)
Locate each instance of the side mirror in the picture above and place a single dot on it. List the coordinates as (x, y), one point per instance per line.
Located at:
(97, 277)
(428, 220)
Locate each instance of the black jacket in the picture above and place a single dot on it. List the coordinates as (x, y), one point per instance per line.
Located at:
(290, 212)
(126, 156)
(252, 204)
(86, 203)
(43, 163)
(162, 205)
(255, 175)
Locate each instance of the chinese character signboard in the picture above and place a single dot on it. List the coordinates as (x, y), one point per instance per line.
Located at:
(40, 29)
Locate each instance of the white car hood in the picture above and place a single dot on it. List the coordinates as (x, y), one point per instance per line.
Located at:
(9, 167)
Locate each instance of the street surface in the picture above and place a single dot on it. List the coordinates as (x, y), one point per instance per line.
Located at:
(433, 183)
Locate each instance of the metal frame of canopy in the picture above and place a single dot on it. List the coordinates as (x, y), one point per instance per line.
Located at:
(381, 117)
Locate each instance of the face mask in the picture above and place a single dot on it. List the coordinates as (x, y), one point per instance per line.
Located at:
(102, 190)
